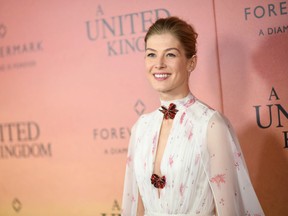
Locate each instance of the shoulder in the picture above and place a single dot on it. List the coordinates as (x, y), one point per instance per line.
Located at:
(219, 124)
(201, 111)
(218, 118)
(208, 116)
(144, 120)
(146, 117)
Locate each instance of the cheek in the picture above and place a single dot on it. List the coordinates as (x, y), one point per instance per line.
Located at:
(148, 66)
(182, 71)
(180, 67)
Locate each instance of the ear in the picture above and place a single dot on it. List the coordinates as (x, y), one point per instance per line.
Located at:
(192, 63)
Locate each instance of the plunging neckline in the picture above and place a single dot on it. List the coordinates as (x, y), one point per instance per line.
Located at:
(180, 103)
(159, 128)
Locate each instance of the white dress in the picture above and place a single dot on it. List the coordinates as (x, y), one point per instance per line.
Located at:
(202, 162)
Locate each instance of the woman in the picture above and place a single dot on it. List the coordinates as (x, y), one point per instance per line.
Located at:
(183, 159)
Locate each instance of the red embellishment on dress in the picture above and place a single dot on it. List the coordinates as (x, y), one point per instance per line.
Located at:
(170, 112)
(157, 181)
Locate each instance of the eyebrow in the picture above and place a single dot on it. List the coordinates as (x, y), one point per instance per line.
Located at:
(168, 49)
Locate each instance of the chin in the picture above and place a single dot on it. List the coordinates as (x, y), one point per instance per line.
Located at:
(163, 91)
(160, 89)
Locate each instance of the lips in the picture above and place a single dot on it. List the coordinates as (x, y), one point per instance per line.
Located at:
(161, 76)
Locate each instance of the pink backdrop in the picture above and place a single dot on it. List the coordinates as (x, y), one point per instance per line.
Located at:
(72, 83)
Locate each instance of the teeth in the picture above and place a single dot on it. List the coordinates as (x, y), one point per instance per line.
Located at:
(161, 75)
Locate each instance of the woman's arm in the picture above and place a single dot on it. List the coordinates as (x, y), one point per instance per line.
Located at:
(130, 191)
(229, 179)
(223, 176)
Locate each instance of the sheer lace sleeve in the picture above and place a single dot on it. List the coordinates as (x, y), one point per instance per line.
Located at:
(232, 189)
(130, 192)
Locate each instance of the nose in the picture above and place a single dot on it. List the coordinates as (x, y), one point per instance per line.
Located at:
(160, 63)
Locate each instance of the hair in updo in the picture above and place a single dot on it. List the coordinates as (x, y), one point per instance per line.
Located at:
(184, 32)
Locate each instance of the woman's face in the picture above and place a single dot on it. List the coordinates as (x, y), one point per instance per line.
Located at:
(167, 66)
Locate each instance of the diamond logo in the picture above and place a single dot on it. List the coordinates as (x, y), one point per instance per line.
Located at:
(139, 107)
(3, 30)
(16, 205)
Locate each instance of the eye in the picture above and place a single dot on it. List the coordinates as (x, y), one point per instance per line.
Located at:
(170, 55)
(151, 55)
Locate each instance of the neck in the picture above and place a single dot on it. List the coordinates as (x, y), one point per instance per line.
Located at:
(169, 97)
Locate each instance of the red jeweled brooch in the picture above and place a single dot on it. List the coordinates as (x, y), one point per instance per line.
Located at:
(158, 182)
(170, 112)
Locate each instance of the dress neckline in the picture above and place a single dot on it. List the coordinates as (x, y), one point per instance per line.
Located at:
(186, 101)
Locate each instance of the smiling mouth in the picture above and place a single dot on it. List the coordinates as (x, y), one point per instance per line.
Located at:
(161, 75)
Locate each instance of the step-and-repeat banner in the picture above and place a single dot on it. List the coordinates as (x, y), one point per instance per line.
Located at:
(72, 84)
